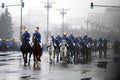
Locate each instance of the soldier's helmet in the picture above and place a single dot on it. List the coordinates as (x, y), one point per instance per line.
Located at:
(64, 33)
(58, 34)
(52, 35)
(71, 33)
(85, 35)
(37, 29)
(26, 30)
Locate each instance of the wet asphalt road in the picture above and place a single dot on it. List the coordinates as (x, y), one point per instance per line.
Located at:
(12, 68)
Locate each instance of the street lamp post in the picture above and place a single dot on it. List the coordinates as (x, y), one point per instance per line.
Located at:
(63, 12)
(22, 5)
(87, 24)
(88, 21)
(48, 5)
(92, 6)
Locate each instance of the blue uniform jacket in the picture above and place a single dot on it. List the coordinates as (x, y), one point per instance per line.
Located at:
(71, 38)
(59, 39)
(76, 40)
(26, 36)
(85, 39)
(38, 36)
(65, 38)
(90, 40)
(80, 39)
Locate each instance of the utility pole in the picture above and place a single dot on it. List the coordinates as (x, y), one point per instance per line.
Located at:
(87, 24)
(63, 12)
(88, 21)
(48, 5)
(92, 6)
(22, 5)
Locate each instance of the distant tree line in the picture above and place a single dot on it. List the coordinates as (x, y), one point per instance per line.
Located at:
(6, 30)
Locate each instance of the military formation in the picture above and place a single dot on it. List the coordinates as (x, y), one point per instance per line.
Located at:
(76, 47)
(34, 48)
(77, 39)
(26, 36)
(66, 48)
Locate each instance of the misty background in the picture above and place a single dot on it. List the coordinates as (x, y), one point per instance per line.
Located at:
(80, 18)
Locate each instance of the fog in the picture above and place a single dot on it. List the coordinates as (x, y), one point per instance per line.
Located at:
(79, 17)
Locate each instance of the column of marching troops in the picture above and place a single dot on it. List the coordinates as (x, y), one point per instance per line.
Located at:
(85, 43)
(78, 39)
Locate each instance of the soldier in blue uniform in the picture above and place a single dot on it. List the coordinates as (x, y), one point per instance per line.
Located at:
(85, 39)
(100, 40)
(95, 42)
(76, 40)
(105, 41)
(80, 39)
(71, 37)
(37, 35)
(26, 36)
(52, 37)
(64, 37)
(90, 40)
(58, 38)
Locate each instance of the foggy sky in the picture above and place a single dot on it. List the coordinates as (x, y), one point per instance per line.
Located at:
(77, 9)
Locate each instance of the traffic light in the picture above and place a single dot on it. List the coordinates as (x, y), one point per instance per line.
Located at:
(3, 5)
(91, 6)
(22, 4)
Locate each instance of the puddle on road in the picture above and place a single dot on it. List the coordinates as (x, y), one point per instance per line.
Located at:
(59, 67)
(7, 60)
(85, 71)
(3, 64)
(11, 71)
(27, 76)
(102, 64)
(4, 54)
(86, 78)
